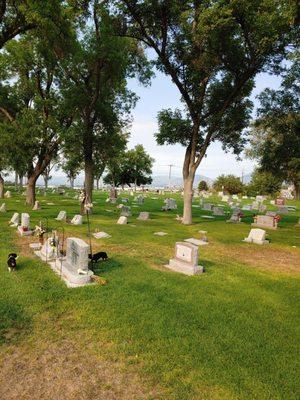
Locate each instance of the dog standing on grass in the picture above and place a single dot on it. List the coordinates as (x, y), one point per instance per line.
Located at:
(11, 262)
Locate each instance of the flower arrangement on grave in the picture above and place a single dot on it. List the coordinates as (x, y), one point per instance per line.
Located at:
(88, 206)
(40, 232)
(81, 196)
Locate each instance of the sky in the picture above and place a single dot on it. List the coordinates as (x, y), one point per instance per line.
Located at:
(164, 94)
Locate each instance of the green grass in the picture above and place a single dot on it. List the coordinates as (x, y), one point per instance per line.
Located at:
(231, 333)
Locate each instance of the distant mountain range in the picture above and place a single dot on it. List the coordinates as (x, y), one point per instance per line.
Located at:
(163, 180)
(159, 181)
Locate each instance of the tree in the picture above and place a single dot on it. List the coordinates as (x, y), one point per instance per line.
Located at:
(212, 51)
(275, 138)
(108, 149)
(3, 166)
(202, 186)
(46, 17)
(228, 183)
(263, 183)
(95, 84)
(71, 166)
(32, 114)
(132, 167)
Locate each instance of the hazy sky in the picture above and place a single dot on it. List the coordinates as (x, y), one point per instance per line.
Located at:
(164, 94)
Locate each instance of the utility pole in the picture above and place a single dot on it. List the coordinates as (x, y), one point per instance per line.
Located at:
(170, 173)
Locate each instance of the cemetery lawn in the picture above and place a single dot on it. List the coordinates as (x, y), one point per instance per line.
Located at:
(150, 333)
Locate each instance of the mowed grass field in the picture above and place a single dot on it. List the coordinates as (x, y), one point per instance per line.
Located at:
(230, 333)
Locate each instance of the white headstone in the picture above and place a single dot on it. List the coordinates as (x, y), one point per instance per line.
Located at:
(257, 236)
(14, 220)
(122, 221)
(74, 269)
(265, 221)
(49, 250)
(186, 259)
(101, 235)
(61, 216)
(24, 228)
(3, 208)
(36, 206)
(77, 220)
(144, 216)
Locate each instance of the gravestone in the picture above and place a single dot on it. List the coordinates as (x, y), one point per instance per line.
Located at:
(125, 211)
(122, 220)
(125, 200)
(279, 202)
(235, 218)
(257, 236)
(14, 222)
(262, 208)
(265, 221)
(74, 268)
(218, 211)
(24, 228)
(186, 259)
(139, 200)
(113, 195)
(255, 205)
(199, 242)
(7, 194)
(160, 233)
(49, 250)
(247, 207)
(170, 204)
(3, 208)
(61, 216)
(36, 206)
(283, 210)
(207, 207)
(101, 235)
(271, 213)
(77, 220)
(144, 216)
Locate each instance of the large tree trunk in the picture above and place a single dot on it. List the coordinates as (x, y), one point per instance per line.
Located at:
(97, 183)
(88, 162)
(72, 183)
(297, 191)
(188, 182)
(30, 191)
(1, 187)
(16, 179)
(20, 182)
(89, 180)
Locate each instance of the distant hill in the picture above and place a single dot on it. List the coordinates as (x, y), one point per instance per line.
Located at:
(163, 180)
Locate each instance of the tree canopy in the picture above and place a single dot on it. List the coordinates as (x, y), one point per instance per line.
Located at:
(212, 51)
(275, 138)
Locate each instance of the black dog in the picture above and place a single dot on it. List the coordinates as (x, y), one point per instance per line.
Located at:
(11, 262)
(98, 256)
